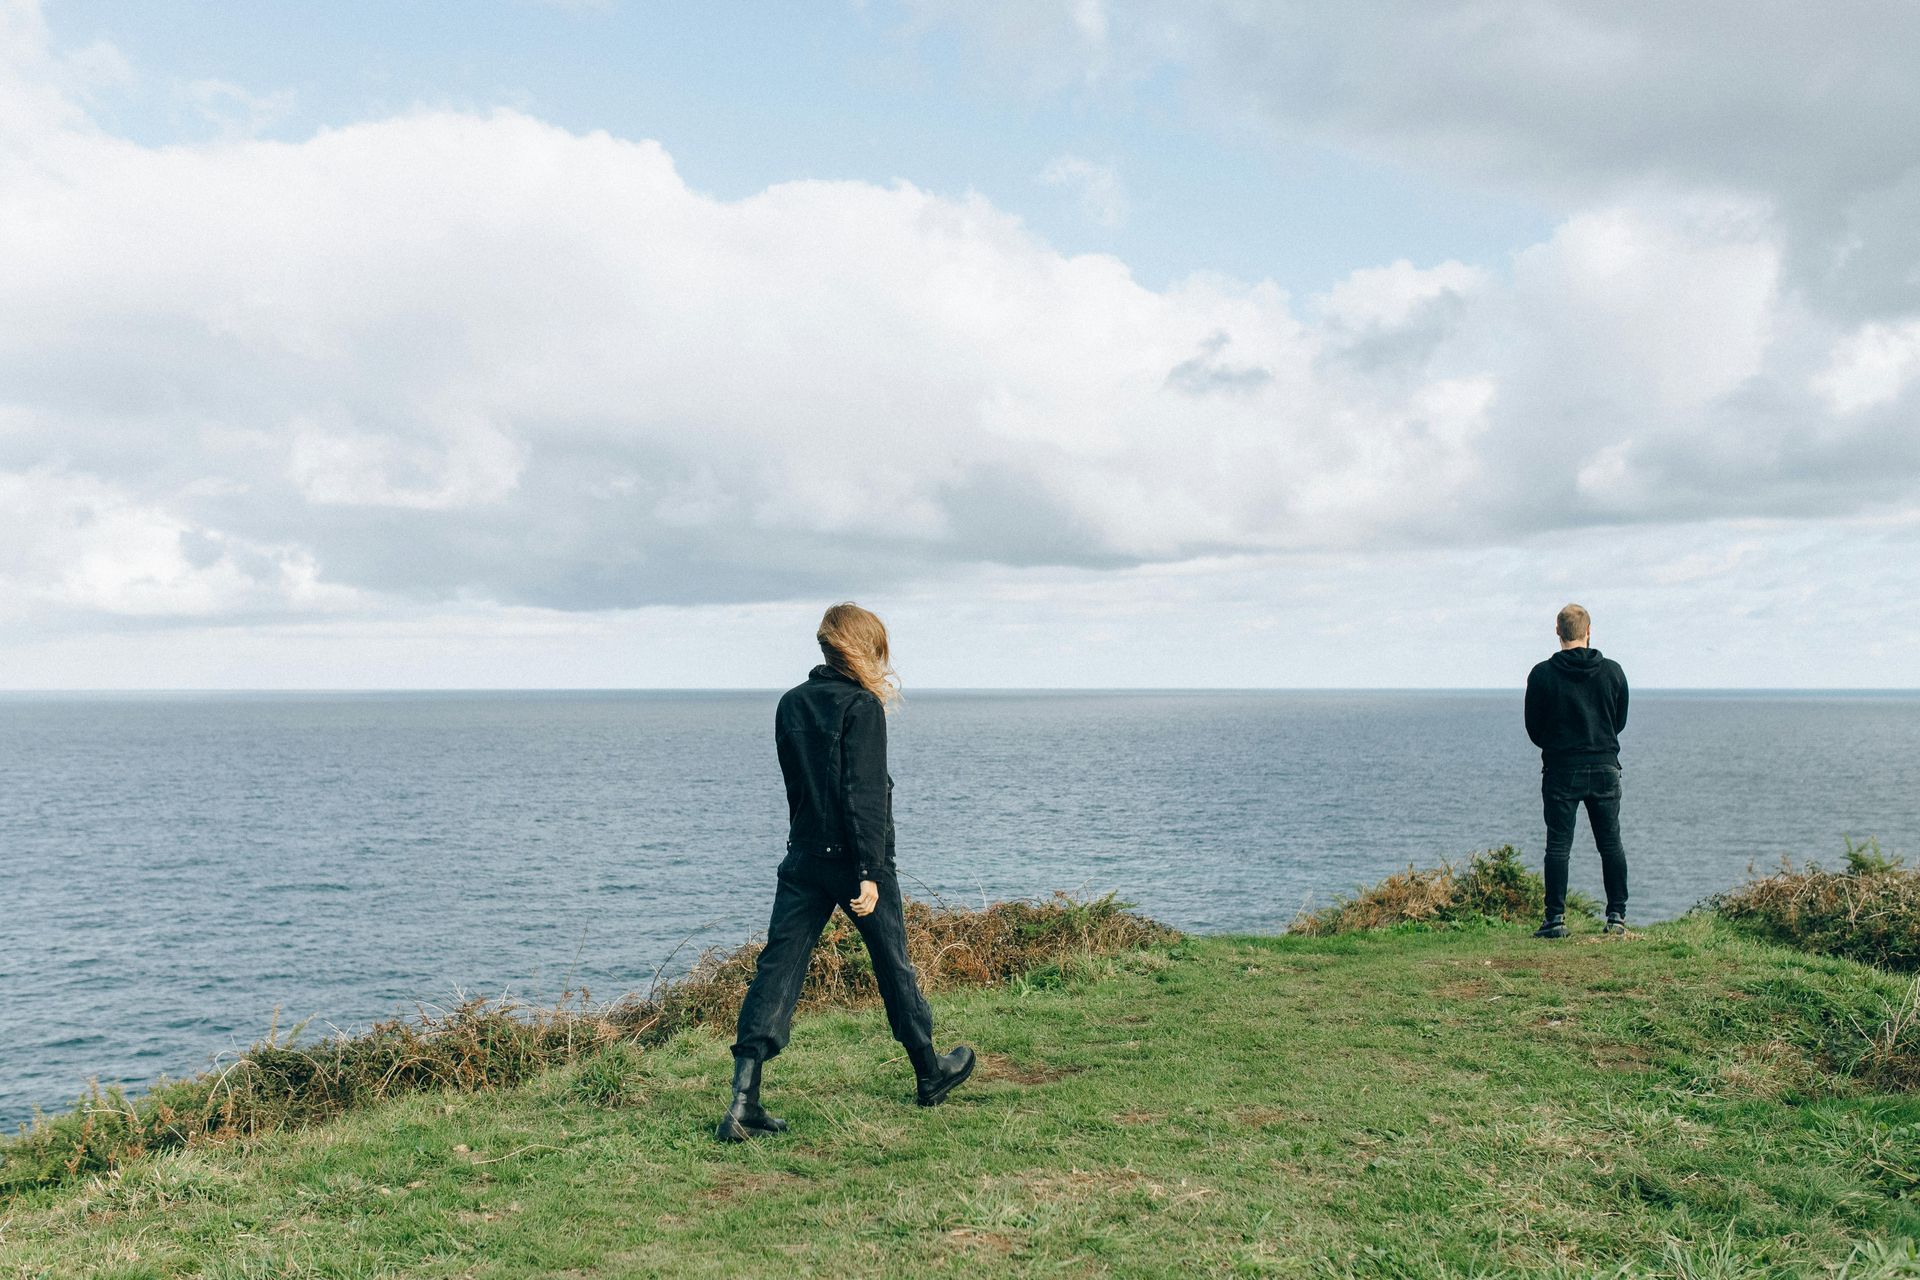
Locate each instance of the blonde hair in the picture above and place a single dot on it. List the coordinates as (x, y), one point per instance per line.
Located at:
(1574, 623)
(854, 643)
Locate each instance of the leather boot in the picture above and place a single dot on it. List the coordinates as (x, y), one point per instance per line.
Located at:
(939, 1074)
(746, 1118)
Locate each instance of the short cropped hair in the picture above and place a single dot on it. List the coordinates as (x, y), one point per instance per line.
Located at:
(1574, 623)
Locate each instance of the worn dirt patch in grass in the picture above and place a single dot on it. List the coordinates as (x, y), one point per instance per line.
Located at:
(997, 1066)
(734, 1184)
(1271, 1117)
(1075, 1184)
(1473, 990)
(1616, 1055)
(1101, 1184)
(975, 1240)
(476, 1217)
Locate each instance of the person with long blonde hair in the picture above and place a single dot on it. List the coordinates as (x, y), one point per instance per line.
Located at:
(831, 733)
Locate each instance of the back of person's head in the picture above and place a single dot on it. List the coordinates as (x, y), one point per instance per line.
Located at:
(854, 643)
(1574, 623)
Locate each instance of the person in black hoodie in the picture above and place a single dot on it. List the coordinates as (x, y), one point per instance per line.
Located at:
(831, 733)
(1576, 708)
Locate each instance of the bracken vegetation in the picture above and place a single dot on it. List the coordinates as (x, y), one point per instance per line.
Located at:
(1870, 911)
(1493, 886)
(480, 1045)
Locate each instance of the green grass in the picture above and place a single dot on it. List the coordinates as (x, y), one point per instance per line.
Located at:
(1457, 1102)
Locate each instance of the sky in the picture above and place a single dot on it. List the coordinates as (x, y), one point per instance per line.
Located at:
(1166, 343)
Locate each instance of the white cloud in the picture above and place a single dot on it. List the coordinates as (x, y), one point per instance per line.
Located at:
(1096, 186)
(460, 355)
(77, 545)
(465, 464)
(1871, 367)
(1807, 109)
(1713, 604)
(39, 89)
(1389, 298)
(236, 112)
(1672, 299)
(450, 357)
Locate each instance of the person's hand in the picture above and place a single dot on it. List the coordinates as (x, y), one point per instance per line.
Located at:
(869, 898)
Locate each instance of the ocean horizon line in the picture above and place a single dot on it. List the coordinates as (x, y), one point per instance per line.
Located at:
(272, 691)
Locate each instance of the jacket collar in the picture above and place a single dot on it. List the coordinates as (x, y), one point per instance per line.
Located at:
(826, 672)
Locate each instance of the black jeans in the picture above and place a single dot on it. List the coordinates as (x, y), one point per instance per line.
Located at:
(1562, 792)
(810, 888)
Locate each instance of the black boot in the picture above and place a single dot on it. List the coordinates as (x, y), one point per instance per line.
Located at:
(939, 1074)
(746, 1118)
(1555, 927)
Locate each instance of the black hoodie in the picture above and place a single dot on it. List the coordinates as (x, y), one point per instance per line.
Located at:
(1576, 708)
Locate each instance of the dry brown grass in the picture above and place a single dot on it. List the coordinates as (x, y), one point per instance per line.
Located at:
(949, 947)
(281, 1083)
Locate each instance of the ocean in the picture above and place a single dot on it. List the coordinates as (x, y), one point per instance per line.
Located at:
(182, 870)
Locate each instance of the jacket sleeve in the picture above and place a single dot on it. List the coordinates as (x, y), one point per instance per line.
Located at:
(1536, 709)
(863, 783)
(1620, 703)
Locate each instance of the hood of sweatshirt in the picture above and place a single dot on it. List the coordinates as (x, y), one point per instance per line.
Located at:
(1576, 664)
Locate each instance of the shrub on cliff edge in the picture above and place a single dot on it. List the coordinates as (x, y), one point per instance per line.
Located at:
(1493, 886)
(1870, 911)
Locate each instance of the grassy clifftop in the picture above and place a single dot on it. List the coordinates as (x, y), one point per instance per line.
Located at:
(1683, 1102)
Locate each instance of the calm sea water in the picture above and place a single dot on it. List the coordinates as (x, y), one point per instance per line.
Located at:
(178, 868)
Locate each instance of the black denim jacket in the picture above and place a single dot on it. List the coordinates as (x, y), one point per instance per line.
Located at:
(832, 737)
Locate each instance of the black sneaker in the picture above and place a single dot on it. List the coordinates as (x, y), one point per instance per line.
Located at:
(1616, 925)
(1554, 928)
